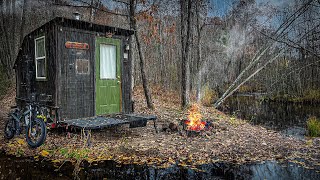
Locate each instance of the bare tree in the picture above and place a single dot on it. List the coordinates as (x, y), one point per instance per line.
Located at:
(277, 34)
(133, 24)
(23, 19)
(186, 8)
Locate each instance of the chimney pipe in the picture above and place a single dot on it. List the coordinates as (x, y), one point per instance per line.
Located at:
(77, 15)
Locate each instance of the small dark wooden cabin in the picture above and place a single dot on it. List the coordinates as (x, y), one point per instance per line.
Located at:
(82, 69)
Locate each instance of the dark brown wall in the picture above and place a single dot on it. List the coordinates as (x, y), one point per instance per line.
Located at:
(77, 92)
(76, 97)
(27, 56)
(126, 78)
(74, 94)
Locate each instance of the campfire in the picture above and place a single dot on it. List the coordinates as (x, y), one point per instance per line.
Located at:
(194, 122)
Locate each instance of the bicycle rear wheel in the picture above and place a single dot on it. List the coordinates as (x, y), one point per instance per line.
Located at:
(9, 129)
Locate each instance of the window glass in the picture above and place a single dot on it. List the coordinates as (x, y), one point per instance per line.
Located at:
(82, 66)
(41, 66)
(40, 58)
(40, 48)
(108, 61)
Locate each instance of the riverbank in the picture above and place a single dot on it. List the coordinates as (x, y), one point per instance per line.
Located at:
(230, 140)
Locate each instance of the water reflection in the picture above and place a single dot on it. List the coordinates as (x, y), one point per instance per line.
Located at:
(24, 168)
(273, 115)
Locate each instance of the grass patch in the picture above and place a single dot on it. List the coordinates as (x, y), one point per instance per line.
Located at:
(312, 95)
(313, 127)
(209, 96)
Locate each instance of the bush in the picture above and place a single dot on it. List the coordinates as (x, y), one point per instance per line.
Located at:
(313, 127)
(209, 96)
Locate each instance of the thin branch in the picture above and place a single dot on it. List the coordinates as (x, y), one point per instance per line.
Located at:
(255, 60)
(297, 69)
(69, 5)
(88, 5)
(291, 43)
(251, 76)
(119, 1)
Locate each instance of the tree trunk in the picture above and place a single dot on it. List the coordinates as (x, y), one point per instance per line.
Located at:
(256, 59)
(13, 23)
(23, 20)
(141, 57)
(7, 44)
(218, 103)
(185, 46)
(161, 58)
(199, 76)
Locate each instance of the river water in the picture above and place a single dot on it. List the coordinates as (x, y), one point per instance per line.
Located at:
(26, 168)
(289, 118)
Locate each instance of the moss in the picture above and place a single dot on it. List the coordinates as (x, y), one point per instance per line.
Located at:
(313, 127)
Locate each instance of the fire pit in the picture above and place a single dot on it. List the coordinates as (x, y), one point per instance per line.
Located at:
(194, 124)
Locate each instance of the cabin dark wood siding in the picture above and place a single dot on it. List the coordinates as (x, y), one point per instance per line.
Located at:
(126, 77)
(26, 62)
(76, 97)
(77, 92)
(73, 93)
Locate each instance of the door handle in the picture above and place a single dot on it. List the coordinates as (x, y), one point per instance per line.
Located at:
(118, 82)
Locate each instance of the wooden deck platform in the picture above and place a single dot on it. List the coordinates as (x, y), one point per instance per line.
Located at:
(106, 121)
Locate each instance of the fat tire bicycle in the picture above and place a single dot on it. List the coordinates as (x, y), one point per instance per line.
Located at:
(30, 120)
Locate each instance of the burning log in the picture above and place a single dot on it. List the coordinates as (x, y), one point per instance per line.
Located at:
(194, 121)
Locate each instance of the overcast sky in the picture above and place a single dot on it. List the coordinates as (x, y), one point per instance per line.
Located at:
(221, 7)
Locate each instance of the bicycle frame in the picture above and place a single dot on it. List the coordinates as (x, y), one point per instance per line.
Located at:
(27, 117)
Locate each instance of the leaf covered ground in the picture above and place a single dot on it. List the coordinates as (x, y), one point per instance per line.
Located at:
(228, 140)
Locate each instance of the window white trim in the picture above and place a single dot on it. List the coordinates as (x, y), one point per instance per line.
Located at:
(40, 58)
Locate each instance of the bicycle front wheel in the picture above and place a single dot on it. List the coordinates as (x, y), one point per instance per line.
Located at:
(36, 133)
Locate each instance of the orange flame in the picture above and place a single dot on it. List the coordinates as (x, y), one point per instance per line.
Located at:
(194, 122)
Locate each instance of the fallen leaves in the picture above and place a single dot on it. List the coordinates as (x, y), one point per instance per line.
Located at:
(21, 141)
(44, 153)
(230, 139)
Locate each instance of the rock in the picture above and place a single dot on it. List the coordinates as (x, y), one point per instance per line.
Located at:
(208, 133)
(316, 141)
(215, 125)
(164, 127)
(223, 127)
(297, 132)
(173, 127)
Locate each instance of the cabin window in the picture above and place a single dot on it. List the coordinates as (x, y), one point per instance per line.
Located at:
(40, 55)
(108, 61)
(82, 66)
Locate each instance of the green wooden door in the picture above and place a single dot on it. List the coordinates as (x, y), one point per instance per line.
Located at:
(108, 79)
